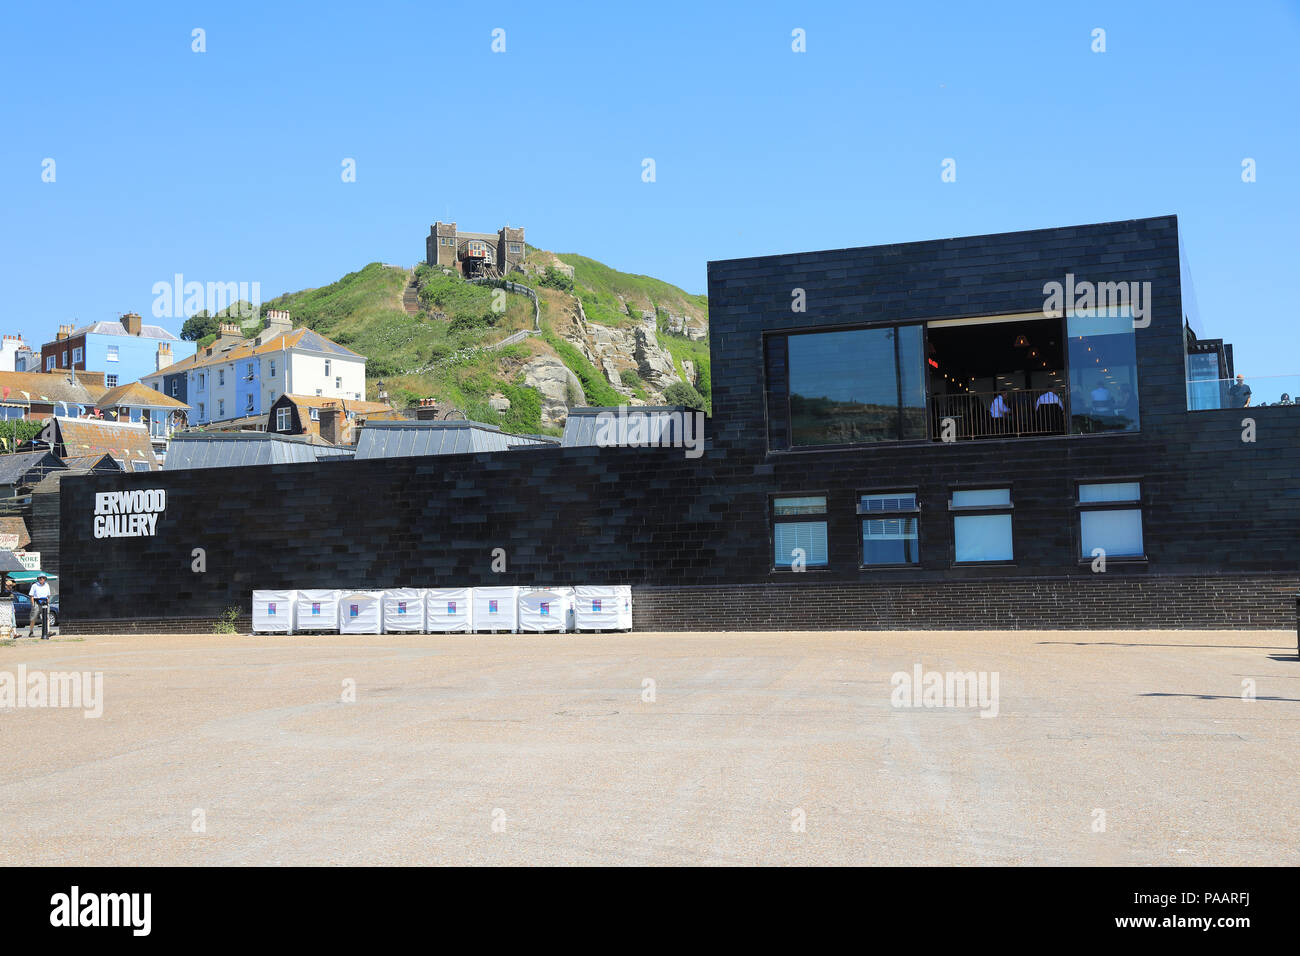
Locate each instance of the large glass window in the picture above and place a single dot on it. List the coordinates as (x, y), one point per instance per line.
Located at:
(1103, 371)
(981, 525)
(799, 538)
(889, 528)
(859, 385)
(1110, 519)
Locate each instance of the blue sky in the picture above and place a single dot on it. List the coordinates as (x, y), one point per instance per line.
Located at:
(225, 165)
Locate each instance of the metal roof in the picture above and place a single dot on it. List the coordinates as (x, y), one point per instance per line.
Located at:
(612, 427)
(28, 467)
(411, 439)
(235, 449)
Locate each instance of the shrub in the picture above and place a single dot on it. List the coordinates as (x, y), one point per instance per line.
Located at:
(226, 624)
(683, 393)
(553, 278)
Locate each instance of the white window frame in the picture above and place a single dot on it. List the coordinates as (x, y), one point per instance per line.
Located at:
(110, 353)
(283, 419)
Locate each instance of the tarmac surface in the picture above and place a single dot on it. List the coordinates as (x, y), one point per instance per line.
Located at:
(743, 748)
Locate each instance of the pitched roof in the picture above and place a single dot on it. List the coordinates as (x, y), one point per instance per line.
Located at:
(89, 463)
(28, 467)
(226, 450)
(137, 395)
(116, 328)
(303, 338)
(24, 388)
(348, 404)
(91, 436)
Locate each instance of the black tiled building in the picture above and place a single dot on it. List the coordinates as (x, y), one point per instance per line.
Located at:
(915, 435)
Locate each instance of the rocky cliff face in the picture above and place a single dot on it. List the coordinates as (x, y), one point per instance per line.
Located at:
(558, 387)
(614, 350)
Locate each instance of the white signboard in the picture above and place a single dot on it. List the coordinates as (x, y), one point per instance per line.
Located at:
(31, 559)
(8, 542)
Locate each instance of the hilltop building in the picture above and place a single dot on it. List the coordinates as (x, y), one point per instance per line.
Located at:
(475, 253)
(123, 351)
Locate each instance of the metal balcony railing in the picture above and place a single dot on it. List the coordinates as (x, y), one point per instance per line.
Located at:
(1007, 414)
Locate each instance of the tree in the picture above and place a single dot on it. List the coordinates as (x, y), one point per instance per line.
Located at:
(198, 325)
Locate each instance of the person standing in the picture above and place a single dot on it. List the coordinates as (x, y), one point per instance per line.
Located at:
(1239, 393)
(40, 595)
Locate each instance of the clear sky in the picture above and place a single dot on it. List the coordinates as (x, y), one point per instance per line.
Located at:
(226, 165)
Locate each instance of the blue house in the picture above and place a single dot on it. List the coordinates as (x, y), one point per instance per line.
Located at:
(125, 351)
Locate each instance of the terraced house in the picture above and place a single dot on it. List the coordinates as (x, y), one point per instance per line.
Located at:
(236, 378)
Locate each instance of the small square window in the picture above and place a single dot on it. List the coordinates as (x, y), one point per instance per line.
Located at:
(1110, 520)
(889, 528)
(982, 526)
(110, 381)
(797, 541)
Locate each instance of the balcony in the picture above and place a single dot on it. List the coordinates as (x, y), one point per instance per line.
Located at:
(1208, 394)
(1010, 413)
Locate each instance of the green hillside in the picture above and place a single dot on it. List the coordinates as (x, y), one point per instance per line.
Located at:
(438, 353)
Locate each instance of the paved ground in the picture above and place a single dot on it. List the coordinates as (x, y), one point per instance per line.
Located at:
(549, 739)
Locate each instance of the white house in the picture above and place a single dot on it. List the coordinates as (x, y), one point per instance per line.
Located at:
(246, 377)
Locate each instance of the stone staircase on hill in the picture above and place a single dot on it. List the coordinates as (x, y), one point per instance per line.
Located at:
(410, 298)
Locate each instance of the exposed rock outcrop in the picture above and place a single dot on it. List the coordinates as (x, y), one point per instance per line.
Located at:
(558, 387)
(654, 364)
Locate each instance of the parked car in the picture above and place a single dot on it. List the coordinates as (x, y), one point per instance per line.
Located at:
(23, 609)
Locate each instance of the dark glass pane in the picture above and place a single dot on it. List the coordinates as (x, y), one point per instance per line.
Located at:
(1103, 373)
(911, 374)
(889, 541)
(843, 387)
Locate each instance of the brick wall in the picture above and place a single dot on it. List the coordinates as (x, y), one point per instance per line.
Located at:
(1218, 513)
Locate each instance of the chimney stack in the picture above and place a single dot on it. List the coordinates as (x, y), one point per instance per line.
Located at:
(277, 321)
(164, 355)
(427, 410)
(64, 332)
(331, 425)
(131, 322)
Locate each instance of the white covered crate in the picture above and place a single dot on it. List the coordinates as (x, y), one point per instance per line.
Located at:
(273, 612)
(607, 608)
(545, 610)
(449, 610)
(361, 612)
(316, 610)
(495, 608)
(404, 609)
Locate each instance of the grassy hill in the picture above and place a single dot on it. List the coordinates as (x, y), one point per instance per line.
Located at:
(438, 353)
